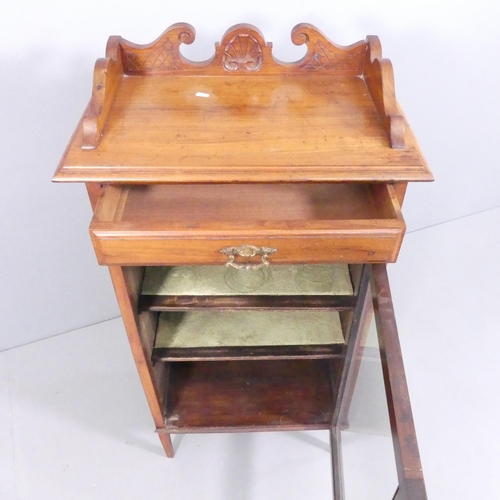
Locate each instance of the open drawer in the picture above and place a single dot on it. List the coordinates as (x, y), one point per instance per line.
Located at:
(247, 224)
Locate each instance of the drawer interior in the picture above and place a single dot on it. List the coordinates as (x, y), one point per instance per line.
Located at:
(200, 204)
(198, 224)
(297, 223)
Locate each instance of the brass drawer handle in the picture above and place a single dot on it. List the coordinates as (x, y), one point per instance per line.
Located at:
(248, 251)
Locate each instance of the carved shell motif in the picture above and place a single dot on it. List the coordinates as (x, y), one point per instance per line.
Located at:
(243, 51)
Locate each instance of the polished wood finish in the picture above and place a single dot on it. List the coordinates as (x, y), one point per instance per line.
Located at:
(305, 223)
(247, 303)
(310, 160)
(375, 298)
(246, 353)
(400, 190)
(243, 116)
(256, 202)
(337, 463)
(94, 192)
(107, 77)
(409, 467)
(379, 77)
(140, 331)
(242, 51)
(251, 395)
(160, 245)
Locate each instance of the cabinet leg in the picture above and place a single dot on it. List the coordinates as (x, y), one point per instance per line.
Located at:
(166, 442)
(337, 470)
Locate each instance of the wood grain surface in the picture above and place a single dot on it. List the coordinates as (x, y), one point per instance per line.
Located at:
(230, 396)
(309, 159)
(140, 332)
(309, 223)
(248, 353)
(408, 464)
(243, 116)
(247, 303)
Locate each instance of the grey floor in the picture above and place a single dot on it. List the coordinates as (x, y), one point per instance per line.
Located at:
(74, 423)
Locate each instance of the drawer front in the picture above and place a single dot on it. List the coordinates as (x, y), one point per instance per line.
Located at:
(140, 225)
(159, 249)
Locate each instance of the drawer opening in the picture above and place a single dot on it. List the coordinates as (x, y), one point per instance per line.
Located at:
(206, 203)
(300, 222)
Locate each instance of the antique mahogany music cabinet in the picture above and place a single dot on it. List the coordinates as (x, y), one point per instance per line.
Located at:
(246, 208)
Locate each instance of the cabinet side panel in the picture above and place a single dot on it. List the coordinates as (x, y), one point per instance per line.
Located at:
(400, 189)
(140, 333)
(94, 191)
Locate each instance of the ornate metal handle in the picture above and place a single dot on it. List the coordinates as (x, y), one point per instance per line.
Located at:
(248, 251)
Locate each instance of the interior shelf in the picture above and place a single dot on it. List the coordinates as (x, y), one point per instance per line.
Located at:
(228, 396)
(214, 312)
(182, 288)
(246, 303)
(237, 335)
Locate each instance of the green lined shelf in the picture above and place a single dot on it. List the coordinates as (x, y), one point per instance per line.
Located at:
(306, 287)
(218, 312)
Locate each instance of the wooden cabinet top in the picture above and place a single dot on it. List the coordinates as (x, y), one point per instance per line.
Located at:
(242, 116)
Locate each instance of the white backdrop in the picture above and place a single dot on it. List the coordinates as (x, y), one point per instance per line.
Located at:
(445, 59)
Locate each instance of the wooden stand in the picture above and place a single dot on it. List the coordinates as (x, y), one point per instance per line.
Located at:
(246, 209)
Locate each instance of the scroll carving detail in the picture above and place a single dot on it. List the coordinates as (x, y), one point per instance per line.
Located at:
(164, 58)
(242, 52)
(242, 49)
(324, 58)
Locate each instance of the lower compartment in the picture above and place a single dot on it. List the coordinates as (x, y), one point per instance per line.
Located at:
(232, 396)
